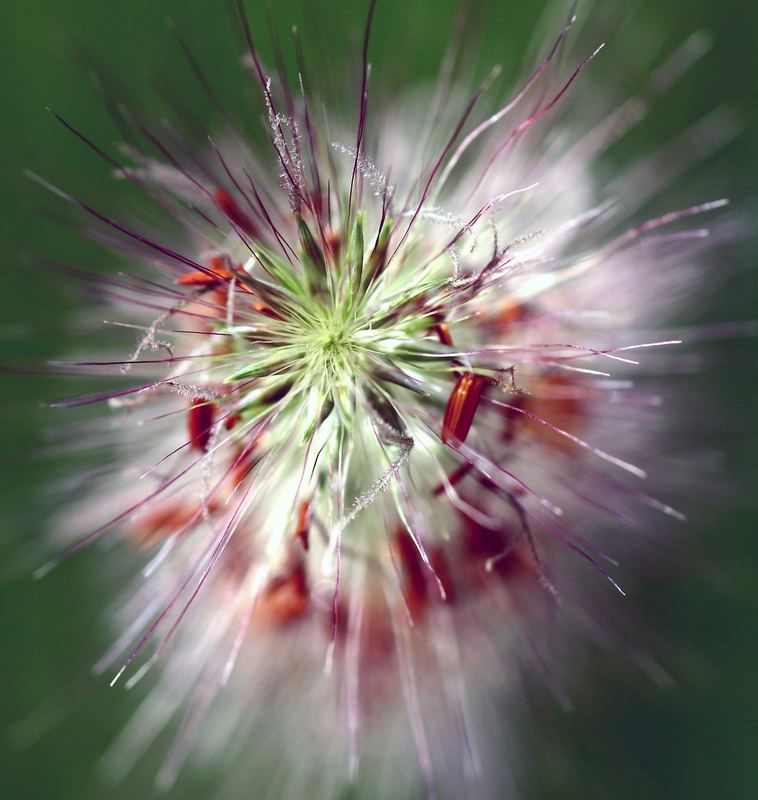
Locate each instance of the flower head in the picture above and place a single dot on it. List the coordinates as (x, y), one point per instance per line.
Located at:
(387, 409)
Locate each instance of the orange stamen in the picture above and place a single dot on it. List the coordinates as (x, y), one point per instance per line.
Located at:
(287, 596)
(217, 274)
(167, 519)
(461, 407)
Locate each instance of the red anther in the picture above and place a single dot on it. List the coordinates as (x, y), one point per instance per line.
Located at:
(443, 333)
(220, 263)
(266, 311)
(232, 420)
(455, 477)
(218, 273)
(236, 215)
(461, 407)
(242, 465)
(333, 239)
(200, 422)
(162, 521)
(287, 596)
(202, 279)
(512, 313)
(412, 572)
(304, 523)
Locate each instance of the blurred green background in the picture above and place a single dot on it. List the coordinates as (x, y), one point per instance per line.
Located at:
(626, 738)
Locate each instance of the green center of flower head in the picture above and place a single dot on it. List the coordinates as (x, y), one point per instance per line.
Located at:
(334, 338)
(332, 351)
(328, 330)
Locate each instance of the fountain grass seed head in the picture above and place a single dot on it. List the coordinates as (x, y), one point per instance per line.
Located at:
(381, 414)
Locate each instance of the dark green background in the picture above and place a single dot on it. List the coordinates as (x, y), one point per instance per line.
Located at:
(695, 739)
